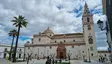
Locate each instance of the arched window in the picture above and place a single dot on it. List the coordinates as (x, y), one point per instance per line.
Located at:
(39, 39)
(87, 19)
(5, 50)
(91, 54)
(82, 51)
(73, 40)
(55, 41)
(105, 55)
(64, 40)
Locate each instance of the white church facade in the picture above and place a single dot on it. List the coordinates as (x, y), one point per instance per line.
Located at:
(76, 45)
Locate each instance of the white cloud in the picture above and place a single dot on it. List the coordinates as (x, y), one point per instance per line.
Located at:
(103, 48)
(43, 13)
(93, 3)
(3, 34)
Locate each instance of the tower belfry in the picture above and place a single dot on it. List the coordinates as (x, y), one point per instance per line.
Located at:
(87, 17)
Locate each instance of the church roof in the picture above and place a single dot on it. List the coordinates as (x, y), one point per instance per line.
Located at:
(58, 36)
(70, 35)
(48, 30)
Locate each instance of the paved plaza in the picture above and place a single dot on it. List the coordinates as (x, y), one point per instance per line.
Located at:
(3, 61)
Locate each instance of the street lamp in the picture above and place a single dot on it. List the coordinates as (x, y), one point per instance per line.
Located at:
(100, 25)
(69, 54)
(89, 55)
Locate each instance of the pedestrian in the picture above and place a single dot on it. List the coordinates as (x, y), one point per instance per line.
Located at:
(53, 61)
(47, 62)
(60, 60)
(99, 59)
(56, 62)
(48, 57)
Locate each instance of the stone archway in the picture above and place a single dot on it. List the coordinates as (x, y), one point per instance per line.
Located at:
(61, 51)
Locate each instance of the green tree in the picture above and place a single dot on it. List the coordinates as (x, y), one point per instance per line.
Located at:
(18, 22)
(12, 33)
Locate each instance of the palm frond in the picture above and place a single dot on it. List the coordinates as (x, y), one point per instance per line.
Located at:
(20, 21)
(15, 18)
(25, 24)
(14, 21)
(10, 34)
(13, 33)
(17, 25)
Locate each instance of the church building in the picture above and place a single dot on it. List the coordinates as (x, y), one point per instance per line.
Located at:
(80, 46)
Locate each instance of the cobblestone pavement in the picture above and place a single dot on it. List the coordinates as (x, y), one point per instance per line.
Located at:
(3, 61)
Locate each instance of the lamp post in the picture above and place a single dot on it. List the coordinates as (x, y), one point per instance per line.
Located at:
(29, 56)
(69, 54)
(100, 24)
(24, 54)
(47, 53)
(38, 57)
(89, 55)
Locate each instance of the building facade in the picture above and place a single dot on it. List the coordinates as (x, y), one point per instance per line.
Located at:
(107, 7)
(80, 46)
(4, 49)
(109, 19)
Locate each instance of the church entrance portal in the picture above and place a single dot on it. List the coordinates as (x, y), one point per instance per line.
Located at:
(61, 51)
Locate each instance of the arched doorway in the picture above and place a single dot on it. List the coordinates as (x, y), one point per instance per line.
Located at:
(61, 51)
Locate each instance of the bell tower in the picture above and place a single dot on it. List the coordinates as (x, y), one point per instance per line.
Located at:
(89, 34)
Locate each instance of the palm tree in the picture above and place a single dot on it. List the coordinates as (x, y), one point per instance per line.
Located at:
(19, 22)
(12, 33)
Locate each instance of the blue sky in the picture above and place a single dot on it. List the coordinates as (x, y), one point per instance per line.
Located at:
(59, 15)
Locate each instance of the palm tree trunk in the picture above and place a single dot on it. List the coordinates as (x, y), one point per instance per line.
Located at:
(10, 54)
(15, 49)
